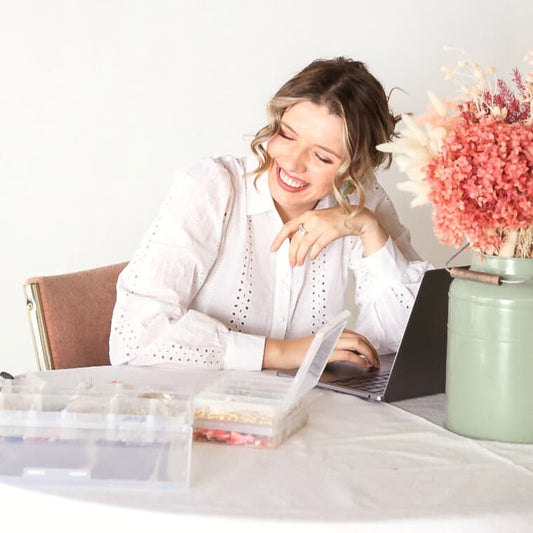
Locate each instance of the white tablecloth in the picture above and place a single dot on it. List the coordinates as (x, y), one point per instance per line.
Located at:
(356, 466)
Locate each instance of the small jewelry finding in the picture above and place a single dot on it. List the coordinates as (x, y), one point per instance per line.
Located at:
(302, 230)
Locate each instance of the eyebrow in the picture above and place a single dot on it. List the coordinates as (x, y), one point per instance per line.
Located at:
(325, 148)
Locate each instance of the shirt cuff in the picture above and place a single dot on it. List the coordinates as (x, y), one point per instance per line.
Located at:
(244, 352)
(388, 262)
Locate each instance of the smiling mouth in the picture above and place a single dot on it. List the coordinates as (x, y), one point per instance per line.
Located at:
(288, 183)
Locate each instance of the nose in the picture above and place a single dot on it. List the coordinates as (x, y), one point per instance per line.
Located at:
(295, 160)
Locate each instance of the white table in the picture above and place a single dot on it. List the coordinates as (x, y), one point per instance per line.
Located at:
(357, 466)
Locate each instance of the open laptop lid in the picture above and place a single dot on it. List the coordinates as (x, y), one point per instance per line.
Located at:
(419, 366)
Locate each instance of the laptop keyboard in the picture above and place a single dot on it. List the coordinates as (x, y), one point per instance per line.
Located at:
(366, 383)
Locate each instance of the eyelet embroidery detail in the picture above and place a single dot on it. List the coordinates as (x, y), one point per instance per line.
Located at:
(167, 352)
(241, 303)
(318, 292)
(402, 299)
(164, 352)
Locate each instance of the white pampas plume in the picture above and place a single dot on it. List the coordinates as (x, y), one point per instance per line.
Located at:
(414, 130)
(437, 104)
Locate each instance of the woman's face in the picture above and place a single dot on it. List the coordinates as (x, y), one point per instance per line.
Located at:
(306, 155)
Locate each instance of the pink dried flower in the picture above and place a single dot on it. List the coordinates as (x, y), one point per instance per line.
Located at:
(481, 182)
(480, 171)
(517, 111)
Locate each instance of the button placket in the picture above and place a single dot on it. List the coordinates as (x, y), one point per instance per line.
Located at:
(282, 292)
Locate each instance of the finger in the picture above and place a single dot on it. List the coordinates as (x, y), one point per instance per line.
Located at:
(302, 247)
(285, 233)
(360, 345)
(301, 241)
(355, 358)
(297, 248)
(368, 351)
(317, 247)
(309, 244)
(350, 357)
(288, 231)
(322, 240)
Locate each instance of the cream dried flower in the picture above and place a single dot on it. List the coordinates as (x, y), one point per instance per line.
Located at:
(472, 159)
(415, 148)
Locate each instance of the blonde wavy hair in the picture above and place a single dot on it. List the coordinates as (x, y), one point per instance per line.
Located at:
(348, 90)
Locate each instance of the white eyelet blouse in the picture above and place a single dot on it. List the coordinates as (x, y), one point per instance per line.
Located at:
(203, 288)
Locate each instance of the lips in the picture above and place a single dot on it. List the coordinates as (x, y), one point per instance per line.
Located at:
(289, 183)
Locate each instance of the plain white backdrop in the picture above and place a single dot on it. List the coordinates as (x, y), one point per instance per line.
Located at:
(101, 100)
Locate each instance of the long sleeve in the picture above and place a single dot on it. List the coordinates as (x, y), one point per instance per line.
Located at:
(386, 282)
(153, 321)
(203, 288)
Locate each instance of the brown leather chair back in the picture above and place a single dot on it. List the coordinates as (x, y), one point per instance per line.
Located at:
(70, 315)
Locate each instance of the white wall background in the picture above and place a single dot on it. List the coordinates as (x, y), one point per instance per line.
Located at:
(101, 100)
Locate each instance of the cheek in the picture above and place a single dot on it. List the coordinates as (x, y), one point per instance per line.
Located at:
(327, 178)
(273, 147)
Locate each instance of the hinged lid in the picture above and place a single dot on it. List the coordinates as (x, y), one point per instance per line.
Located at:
(316, 358)
(263, 398)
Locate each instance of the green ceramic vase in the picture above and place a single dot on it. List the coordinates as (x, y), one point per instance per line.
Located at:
(489, 367)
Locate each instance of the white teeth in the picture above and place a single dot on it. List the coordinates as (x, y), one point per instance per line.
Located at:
(289, 181)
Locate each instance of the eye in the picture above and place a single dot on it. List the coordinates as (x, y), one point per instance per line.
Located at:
(324, 160)
(281, 133)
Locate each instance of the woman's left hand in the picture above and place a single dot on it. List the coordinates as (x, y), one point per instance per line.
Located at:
(312, 231)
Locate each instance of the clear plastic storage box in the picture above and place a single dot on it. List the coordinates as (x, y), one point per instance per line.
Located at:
(259, 409)
(113, 434)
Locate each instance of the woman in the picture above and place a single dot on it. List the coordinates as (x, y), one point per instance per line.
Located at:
(245, 262)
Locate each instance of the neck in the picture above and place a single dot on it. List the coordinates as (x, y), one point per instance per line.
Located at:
(289, 214)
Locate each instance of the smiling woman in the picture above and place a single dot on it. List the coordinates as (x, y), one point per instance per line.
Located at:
(306, 155)
(248, 256)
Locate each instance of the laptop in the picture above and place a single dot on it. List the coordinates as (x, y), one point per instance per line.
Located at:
(418, 368)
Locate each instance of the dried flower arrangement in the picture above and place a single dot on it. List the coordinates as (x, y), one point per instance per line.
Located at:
(472, 158)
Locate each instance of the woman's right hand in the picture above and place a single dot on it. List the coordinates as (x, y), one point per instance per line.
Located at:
(322, 226)
(289, 353)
